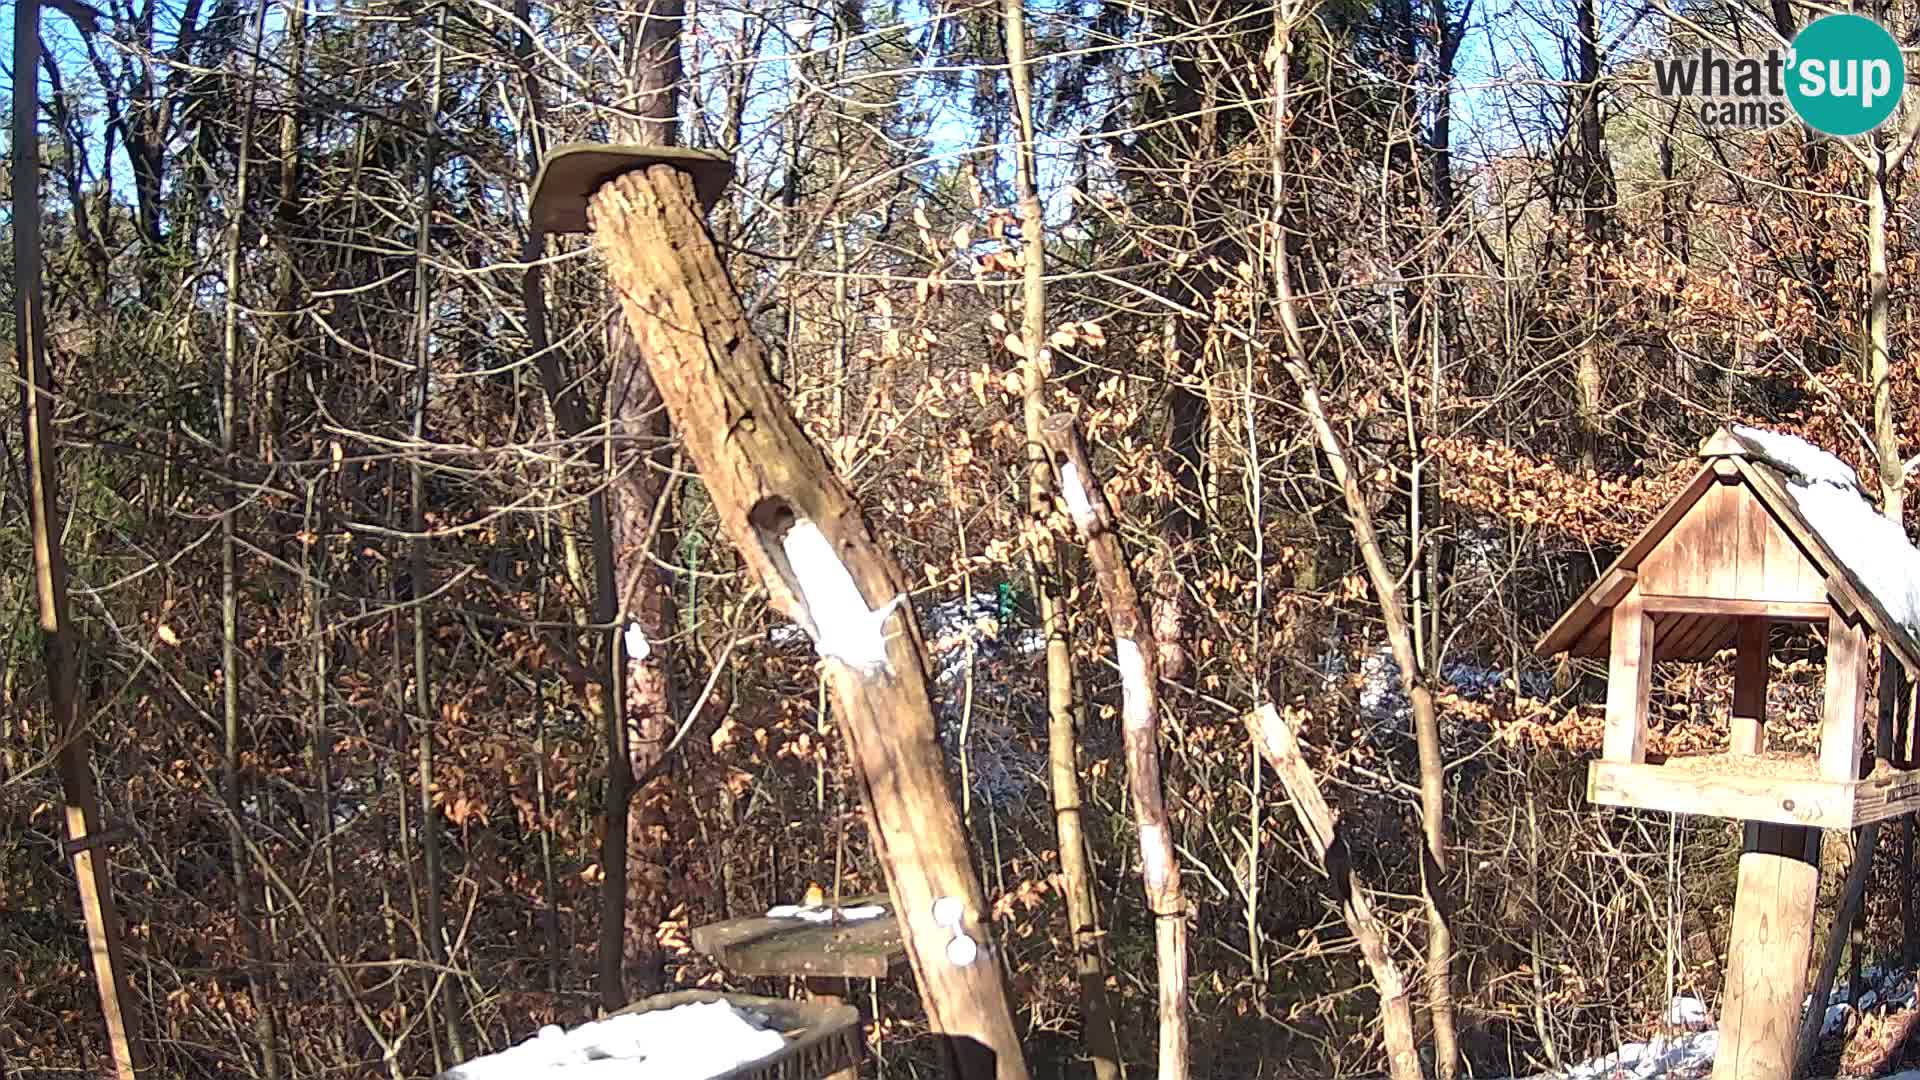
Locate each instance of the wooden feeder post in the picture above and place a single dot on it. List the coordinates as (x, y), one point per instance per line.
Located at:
(798, 529)
(1733, 555)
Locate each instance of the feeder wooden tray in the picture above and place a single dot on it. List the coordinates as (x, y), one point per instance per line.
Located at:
(760, 947)
(822, 1039)
(1787, 790)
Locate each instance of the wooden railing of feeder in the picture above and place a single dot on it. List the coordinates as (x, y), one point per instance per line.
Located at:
(799, 531)
(1730, 557)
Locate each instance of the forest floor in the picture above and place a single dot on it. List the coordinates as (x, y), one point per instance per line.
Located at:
(1862, 1041)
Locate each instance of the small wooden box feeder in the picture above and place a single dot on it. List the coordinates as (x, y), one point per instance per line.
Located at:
(762, 946)
(1770, 530)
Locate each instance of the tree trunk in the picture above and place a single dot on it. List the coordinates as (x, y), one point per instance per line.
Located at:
(423, 707)
(1595, 190)
(798, 529)
(1385, 584)
(1274, 738)
(1140, 728)
(634, 847)
(244, 900)
(74, 759)
(1083, 921)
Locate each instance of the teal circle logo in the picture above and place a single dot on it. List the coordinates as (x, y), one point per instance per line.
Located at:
(1845, 74)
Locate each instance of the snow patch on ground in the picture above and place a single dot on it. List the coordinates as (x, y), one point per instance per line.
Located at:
(687, 1042)
(1686, 1051)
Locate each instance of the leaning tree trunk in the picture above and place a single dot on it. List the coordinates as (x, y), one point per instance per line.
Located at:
(1274, 739)
(1140, 728)
(796, 526)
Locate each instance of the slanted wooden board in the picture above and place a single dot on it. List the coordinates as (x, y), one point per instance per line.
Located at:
(1796, 796)
(758, 947)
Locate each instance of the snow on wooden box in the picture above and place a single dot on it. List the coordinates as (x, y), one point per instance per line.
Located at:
(688, 1035)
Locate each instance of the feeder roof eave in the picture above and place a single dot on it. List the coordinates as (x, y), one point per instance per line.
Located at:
(1599, 598)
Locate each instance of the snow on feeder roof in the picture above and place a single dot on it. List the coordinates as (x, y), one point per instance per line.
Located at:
(1770, 525)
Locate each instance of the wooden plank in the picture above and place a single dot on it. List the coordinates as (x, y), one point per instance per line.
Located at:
(1839, 580)
(1594, 641)
(1755, 530)
(1886, 795)
(1612, 586)
(1718, 541)
(1809, 801)
(1629, 680)
(1840, 719)
(759, 947)
(1668, 632)
(1773, 912)
(1698, 644)
(1750, 670)
(1775, 610)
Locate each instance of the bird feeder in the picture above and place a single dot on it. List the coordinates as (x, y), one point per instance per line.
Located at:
(1769, 530)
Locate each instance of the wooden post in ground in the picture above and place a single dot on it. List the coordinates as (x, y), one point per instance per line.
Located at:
(1773, 909)
(1779, 884)
(1139, 725)
(74, 758)
(803, 537)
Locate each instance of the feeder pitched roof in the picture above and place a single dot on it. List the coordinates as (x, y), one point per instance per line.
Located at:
(1786, 502)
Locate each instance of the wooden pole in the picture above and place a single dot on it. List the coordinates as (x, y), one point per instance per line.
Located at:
(1140, 726)
(1276, 742)
(1776, 893)
(74, 758)
(1773, 910)
(800, 532)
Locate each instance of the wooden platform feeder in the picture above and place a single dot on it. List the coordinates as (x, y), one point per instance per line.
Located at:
(1735, 553)
(760, 946)
(822, 1038)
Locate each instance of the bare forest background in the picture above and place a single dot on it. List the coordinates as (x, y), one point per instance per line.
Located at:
(1389, 322)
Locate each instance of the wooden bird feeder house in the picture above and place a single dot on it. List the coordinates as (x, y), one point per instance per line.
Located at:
(1769, 530)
